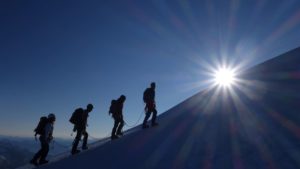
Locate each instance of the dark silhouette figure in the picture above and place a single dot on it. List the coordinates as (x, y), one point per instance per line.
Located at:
(116, 109)
(80, 128)
(46, 131)
(149, 99)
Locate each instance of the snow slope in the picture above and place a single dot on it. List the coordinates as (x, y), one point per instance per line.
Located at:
(254, 126)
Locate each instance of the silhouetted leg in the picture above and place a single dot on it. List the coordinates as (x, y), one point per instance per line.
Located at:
(37, 156)
(113, 132)
(85, 138)
(45, 150)
(76, 141)
(146, 118)
(121, 124)
(154, 117)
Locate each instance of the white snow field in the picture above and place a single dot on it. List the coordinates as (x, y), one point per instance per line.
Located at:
(255, 125)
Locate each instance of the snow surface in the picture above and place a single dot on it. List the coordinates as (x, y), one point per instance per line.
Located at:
(254, 126)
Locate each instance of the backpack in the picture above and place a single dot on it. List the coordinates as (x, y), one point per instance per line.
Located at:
(76, 117)
(146, 95)
(113, 107)
(40, 129)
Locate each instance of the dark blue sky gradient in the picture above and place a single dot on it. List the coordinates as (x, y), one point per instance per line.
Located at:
(59, 55)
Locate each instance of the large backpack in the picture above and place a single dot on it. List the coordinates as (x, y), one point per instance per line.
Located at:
(113, 107)
(146, 95)
(76, 117)
(40, 129)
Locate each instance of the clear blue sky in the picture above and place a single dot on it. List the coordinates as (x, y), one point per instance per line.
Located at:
(62, 54)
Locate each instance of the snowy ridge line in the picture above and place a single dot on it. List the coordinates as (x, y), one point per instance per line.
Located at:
(67, 154)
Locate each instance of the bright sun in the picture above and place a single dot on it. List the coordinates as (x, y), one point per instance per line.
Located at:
(224, 77)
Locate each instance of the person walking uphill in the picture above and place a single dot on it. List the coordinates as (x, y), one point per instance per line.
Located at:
(79, 119)
(149, 99)
(45, 130)
(116, 109)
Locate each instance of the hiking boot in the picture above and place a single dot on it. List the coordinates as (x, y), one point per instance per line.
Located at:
(85, 148)
(114, 137)
(154, 124)
(75, 152)
(43, 162)
(145, 126)
(34, 162)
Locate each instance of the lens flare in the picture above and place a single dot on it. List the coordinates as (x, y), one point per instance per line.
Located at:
(224, 77)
